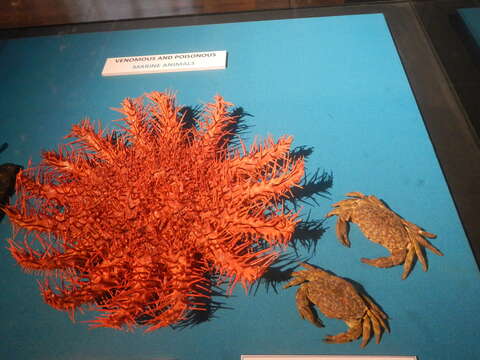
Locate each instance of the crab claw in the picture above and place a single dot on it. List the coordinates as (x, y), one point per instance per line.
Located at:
(342, 226)
(305, 309)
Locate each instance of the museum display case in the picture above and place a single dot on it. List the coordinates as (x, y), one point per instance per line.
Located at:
(323, 167)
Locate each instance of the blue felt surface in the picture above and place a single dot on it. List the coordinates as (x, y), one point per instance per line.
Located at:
(336, 84)
(471, 19)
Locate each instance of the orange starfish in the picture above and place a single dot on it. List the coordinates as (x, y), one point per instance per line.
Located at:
(136, 221)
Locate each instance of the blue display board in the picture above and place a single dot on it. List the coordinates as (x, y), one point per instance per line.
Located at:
(335, 84)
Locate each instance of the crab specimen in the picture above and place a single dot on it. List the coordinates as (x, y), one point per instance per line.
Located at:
(379, 224)
(339, 299)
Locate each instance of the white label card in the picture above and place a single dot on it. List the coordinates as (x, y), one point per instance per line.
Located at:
(163, 63)
(325, 357)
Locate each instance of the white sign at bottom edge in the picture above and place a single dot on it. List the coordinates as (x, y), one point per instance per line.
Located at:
(325, 357)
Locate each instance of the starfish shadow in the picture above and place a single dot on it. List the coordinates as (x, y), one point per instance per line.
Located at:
(233, 131)
(208, 306)
(307, 232)
(205, 305)
(280, 271)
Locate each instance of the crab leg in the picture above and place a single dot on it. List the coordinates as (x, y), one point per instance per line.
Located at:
(397, 258)
(356, 194)
(354, 332)
(302, 276)
(315, 273)
(420, 236)
(298, 279)
(375, 310)
(342, 228)
(366, 331)
(304, 308)
(419, 252)
(426, 244)
(407, 266)
(377, 330)
(342, 225)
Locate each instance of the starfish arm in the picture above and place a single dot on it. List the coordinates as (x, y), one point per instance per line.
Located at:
(213, 128)
(242, 266)
(92, 140)
(67, 162)
(260, 156)
(278, 229)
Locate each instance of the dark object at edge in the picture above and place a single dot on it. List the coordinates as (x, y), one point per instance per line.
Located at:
(8, 174)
